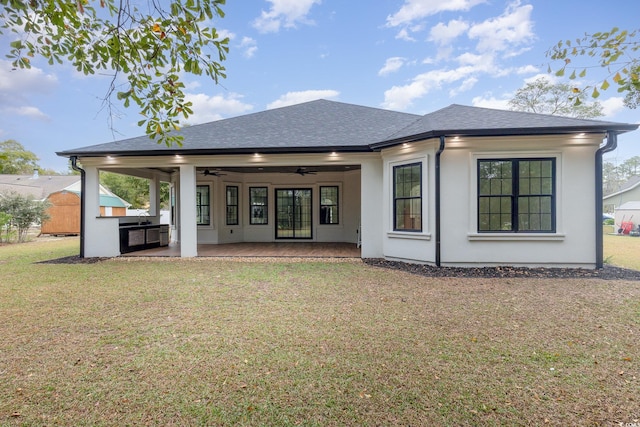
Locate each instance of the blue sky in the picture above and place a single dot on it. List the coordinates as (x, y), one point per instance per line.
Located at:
(407, 55)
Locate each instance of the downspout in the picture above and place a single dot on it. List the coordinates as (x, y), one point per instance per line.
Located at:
(612, 144)
(83, 185)
(437, 171)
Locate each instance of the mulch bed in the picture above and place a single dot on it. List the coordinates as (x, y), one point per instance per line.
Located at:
(74, 259)
(607, 273)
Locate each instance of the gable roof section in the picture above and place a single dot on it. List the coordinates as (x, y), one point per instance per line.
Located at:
(323, 125)
(38, 187)
(628, 185)
(312, 126)
(463, 120)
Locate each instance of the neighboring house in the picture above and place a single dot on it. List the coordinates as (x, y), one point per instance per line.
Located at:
(63, 192)
(628, 192)
(462, 186)
(628, 212)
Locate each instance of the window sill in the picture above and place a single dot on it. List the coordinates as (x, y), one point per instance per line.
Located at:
(408, 235)
(515, 236)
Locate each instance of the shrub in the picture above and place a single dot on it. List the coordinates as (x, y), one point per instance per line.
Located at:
(20, 213)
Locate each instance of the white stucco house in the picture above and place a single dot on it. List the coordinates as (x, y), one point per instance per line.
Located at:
(462, 186)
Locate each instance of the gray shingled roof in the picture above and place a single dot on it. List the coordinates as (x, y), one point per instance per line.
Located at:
(322, 125)
(464, 120)
(38, 187)
(317, 124)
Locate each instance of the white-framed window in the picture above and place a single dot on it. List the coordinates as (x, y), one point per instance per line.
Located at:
(329, 204)
(258, 205)
(407, 197)
(516, 195)
(203, 204)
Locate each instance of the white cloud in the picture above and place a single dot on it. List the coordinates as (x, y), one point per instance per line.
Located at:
(403, 34)
(512, 28)
(209, 108)
(249, 47)
(291, 98)
(413, 10)
(526, 69)
(612, 106)
(285, 13)
(391, 65)
(445, 33)
(496, 38)
(490, 102)
(548, 77)
(21, 81)
(401, 97)
(29, 112)
(466, 85)
(17, 85)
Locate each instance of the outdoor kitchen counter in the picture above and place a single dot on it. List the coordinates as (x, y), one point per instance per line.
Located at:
(136, 237)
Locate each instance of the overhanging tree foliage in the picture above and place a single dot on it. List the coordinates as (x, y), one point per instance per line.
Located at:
(149, 49)
(617, 51)
(542, 96)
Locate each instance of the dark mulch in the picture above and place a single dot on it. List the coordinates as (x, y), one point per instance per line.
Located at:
(606, 273)
(73, 259)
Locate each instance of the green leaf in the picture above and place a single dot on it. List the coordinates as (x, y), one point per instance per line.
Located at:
(560, 72)
(605, 85)
(583, 73)
(595, 93)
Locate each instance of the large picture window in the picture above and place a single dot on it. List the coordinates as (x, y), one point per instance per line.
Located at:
(232, 205)
(517, 195)
(258, 199)
(329, 208)
(203, 205)
(407, 197)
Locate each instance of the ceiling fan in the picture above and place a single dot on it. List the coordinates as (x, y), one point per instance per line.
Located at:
(303, 171)
(207, 172)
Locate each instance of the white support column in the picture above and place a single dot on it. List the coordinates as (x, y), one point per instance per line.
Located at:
(101, 234)
(154, 196)
(188, 226)
(372, 227)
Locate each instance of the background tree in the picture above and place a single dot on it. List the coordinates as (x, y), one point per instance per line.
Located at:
(542, 96)
(614, 176)
(22, 213)
(133, 189)
(612, 179)
(15, 159)
(149, 49)
(617, 51)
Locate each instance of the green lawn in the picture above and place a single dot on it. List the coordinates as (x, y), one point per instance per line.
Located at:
(622, 251)
(210, 342)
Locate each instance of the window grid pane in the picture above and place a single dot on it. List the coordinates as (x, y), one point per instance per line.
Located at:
(203, 207)
(329, 205)
(258, 209)
(529, 185)
(232, 205)
(407, 197)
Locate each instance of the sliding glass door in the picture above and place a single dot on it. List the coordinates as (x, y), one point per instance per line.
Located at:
(293, 213)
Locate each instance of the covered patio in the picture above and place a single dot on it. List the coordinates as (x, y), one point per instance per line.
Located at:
(263, 249)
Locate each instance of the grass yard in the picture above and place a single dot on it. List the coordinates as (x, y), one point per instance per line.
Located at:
(622, 251)
(224, 343)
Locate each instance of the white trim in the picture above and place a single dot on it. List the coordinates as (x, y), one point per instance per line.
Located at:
(515, 236)
(408, 235)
